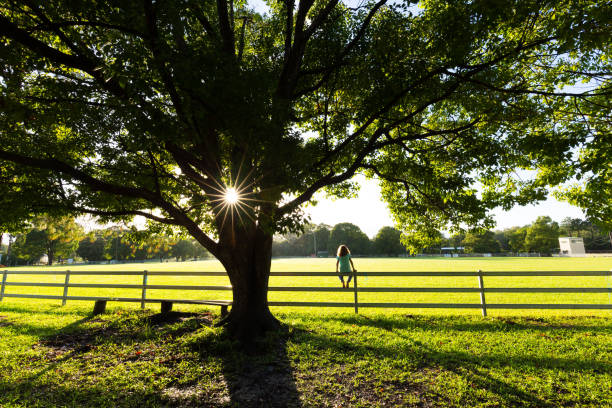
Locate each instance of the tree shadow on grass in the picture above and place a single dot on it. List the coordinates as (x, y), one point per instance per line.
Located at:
(471, 324)
(541, 328)
(429, 360)
(482, 370)
(203, 366)
(260, 376)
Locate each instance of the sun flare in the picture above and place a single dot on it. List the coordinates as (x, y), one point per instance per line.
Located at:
(231, 196)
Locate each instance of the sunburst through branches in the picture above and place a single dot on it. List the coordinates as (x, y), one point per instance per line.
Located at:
(235, 200)
(231, 196)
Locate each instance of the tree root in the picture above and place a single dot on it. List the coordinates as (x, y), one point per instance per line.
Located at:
(247, 329)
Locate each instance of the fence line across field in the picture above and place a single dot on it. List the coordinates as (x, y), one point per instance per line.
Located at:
(369, 274)
(481, 289)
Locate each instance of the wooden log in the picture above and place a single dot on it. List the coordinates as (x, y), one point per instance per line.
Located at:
(99, 307)
(166, 306)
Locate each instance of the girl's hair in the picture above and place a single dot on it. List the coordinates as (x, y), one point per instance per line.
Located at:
(343, 250)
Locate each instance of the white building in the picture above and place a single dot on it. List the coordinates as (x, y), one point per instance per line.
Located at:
(571, 246)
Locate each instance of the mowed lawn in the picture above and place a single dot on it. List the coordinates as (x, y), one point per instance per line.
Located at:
(53, 356)
(368, 265)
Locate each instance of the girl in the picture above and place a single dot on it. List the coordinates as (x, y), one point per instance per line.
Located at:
(343, 258)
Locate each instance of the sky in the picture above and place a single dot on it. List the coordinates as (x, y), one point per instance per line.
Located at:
(370, 213)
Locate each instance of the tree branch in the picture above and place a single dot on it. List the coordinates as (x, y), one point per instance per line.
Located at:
(289, 6)
(153, 37)
(430, 133)
(167, 221)
(407, 185)
(320, 18)
(99, 185)
(10, 30)
(97, 24)
(293, 59)
(379, 113)
(330, 179)
(197, 12)
(523, 91)
(338, 62)
(187, 162)
(227, 34)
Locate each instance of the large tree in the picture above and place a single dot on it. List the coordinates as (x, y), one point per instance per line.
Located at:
(387, 242)
(515, 237)
(56, 237)
(222, 121)
(542, 236)
(480, 243)
(91, 248)
(350, 235)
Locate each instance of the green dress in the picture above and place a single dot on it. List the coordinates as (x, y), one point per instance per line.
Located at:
(345, 266)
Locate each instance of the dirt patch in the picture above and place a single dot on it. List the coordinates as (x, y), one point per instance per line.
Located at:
(345, 387)
(190, 322)
(4, 322)
(77, 341)
(269, 384)
(196, 396)
(99, 331)
(162, 319)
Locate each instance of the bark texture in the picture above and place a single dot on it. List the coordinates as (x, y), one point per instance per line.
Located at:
(247, 260)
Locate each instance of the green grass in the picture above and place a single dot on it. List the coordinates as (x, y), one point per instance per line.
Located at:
(363, 265)
(52, 356)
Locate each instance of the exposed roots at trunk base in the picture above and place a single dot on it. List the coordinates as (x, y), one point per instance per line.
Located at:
(248, 326)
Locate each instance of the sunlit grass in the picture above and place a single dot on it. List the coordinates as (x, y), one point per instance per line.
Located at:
(366, 265)
(53, 356)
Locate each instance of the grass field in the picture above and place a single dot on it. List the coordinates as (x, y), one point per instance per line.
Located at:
(363, 265)
(53, 356)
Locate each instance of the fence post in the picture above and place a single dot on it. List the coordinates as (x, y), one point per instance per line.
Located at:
(609, 284)
(145, 275)
(3, 284)
(483, 303)
(355, 290)
(66, 281)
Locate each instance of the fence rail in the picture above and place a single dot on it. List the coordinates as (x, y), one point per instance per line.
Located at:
(369, 274)
(480, 275)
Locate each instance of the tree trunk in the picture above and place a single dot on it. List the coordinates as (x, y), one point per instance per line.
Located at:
(10, 244)
(247, 261)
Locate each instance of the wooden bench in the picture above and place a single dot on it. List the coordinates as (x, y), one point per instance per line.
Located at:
(166, 304)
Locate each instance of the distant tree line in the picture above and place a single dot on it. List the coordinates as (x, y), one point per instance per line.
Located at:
(540, 236)
(327, 239)
(56, 239)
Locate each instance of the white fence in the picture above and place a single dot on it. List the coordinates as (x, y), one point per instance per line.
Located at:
(479, 275)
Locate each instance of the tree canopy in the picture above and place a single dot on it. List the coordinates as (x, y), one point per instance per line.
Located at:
(160, 109)
(387, 242)
(144, 106)
(480, 243)
(351, 235)
(542, 236)
(51, 236)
